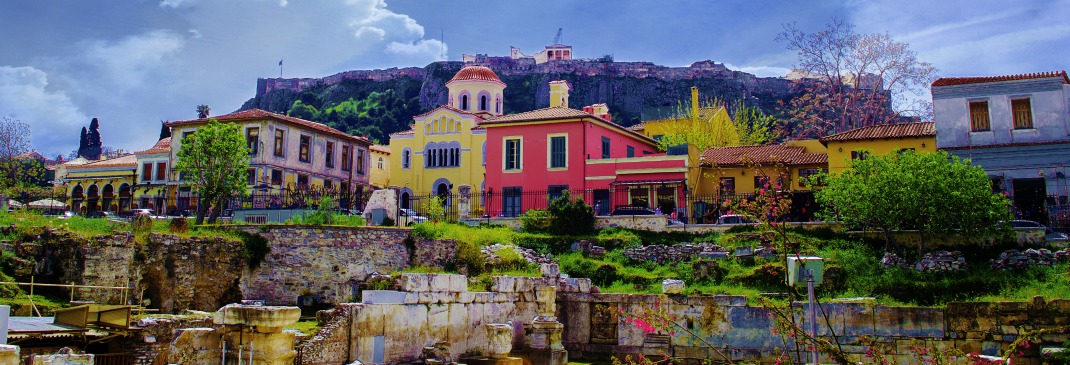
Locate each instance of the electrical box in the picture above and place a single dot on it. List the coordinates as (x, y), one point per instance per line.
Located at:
(800, 267)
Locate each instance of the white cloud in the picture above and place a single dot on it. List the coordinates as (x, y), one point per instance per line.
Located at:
(176, 3)
(761, 71)
(127, 62)
(52, 117)
(432, 48)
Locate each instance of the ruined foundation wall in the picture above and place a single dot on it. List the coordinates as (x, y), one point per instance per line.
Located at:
(328, 262)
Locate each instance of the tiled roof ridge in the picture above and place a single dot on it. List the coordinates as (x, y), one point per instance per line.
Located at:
(950, 81)
(886, 130)
(260, 113)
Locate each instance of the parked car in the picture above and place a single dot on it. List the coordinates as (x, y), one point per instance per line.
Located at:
(101, 214)
(1050, 235)
(630, 210)
(150, 212)
(66, 214)
(735, 219)
(408, 217)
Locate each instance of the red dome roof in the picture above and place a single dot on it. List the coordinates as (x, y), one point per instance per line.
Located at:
(478, 73)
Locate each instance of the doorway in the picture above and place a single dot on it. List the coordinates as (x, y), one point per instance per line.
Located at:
(1029, 195)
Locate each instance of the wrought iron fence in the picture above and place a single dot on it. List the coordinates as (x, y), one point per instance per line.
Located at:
(676, 203)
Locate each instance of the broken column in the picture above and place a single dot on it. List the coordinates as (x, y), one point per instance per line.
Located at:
(257, 332)
(9, 355)
(195, 346)
(544, 332)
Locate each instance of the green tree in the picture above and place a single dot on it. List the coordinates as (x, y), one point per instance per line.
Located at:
(931, 192)
(704, 127)
(753, 126)
(94, 146)
(203, 111)
(571, 216)
(215, 160)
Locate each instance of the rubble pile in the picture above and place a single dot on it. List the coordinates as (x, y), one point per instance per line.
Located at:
(675, 253)
(941, 261)
(1020, 260)
(528, 254)
(891, 260)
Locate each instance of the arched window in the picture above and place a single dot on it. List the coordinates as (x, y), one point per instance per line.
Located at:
(427, 128)
(457, 126)
(484, 104)
(484, 152)
(380, 163)
(498, 104)
(464, 102)
(406, 158)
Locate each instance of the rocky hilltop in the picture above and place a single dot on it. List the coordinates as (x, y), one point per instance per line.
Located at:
(634, 91)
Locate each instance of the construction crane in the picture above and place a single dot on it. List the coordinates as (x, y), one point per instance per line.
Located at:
(557, 39)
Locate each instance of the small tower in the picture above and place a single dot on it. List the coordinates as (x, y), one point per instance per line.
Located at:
(559, 93)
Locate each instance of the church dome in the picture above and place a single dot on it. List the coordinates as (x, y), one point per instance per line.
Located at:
(476, 73)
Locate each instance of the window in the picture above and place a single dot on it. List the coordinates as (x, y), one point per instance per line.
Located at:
(328, 155)
(252, 139)
(658, 137)
(328, 184)
(483, 102)
(728, 185)
(558, 152)
(380, 163)
(146, 171)
(250, 176)
(805, 174)
(280, 142)
(979, 116)
(605, 147)
(464, 102)
(161, 171)
(1023, 114)
(360, 162)
(640, 197)
(556, 191)
(347, 158)
(276, 177)
(303, 152)
(512, 154)
(302, 180)
(859, 155)
(631, 151)
(761, 182)
(406, 157)
(511, 198)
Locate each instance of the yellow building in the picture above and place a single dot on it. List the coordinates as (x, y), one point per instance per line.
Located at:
(878, 140)
(445, 149)
(380, 176)
(153, 164)
(101, 185)
(714, 121)
(286, 153)
(744, 169)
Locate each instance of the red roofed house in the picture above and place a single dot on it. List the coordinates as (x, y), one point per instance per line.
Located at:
(1017, 127)
(535, 155)
(878, 140)
(732, 172)
(286, 153)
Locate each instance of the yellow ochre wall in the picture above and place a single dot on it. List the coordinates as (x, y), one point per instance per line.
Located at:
(840, 151)
(420, 179)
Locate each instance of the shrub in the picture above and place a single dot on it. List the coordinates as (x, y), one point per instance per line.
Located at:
(510, 259)
(469, 259)
(388, 222)
(604, 275)
(254, 249)
(348, 220)
(536, 220)
(381, 282)
(178, 225)
(571, 216)
(765, 277)
(430, 230)
(436, 208)
(613, 238)
(140, 223)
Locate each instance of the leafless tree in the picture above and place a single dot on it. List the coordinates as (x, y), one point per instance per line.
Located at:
(865, 78)
(14, 141)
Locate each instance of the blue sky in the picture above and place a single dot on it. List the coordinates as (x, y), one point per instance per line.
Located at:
(134, 63)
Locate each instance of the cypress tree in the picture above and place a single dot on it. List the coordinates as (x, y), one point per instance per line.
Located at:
(93, 144)
(83, 143)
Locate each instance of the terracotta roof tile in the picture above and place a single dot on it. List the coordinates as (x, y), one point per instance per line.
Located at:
(257, 113)
(161, 146)
(638, 127)
(901, 130)
(403, 133)
(777, 153)
(951, 81)
(380, 148)
(552, 113)
(125, 160)
(479, 73)
(459, 111)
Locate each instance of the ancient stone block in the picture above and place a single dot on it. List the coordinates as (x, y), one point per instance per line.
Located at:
(414, 282)
(466, 297)
(523, 284)
(9, 355)
(368, 322)
(584, 285)
(576, 317)
(672, 286)
(458, 283)
(382, 297)
(406, 332)
(194, 346)
(457, 330)
(503, 284)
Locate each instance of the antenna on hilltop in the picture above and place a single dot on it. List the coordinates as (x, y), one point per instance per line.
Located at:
(442, 44)
(557, 39)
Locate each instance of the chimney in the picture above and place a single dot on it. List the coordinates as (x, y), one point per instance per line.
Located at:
(559, 93)
(599, 110)
(694, 101)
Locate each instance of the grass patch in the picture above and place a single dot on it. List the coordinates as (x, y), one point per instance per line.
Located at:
(306, 326)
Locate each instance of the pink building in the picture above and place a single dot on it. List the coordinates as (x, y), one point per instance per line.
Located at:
(534, 156)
